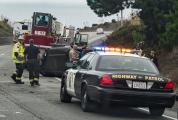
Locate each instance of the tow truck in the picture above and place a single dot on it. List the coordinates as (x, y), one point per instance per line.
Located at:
(54, 48)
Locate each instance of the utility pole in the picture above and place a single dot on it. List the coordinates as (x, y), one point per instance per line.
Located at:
(121, 18)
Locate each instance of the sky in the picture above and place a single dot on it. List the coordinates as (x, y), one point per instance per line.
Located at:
(69, 12)
(46, 1)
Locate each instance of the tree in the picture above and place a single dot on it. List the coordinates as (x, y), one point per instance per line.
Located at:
(169, 38)
(94, 25)
(114, 21)
(5, 20)
(108, 7)
(152, 13)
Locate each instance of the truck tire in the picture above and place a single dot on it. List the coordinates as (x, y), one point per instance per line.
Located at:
(156, 111)
(64, 96)
(86, 103)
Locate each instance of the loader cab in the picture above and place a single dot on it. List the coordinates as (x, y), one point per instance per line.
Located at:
(42, 24)
(81, 39)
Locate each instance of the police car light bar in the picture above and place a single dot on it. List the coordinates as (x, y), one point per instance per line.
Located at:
(108, 49)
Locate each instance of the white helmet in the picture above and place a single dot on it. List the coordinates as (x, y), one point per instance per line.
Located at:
(21, 37)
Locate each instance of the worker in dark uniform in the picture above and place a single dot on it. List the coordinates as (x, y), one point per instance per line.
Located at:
(154, 58)
(84, 50)
(32, 55)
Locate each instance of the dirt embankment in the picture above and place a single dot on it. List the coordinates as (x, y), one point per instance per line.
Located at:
(107, 26)
(5, 33)
(169, 65)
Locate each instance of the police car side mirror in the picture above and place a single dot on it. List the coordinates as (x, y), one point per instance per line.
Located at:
(69, 65)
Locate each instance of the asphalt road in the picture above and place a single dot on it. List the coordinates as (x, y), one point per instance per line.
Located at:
(22, 102)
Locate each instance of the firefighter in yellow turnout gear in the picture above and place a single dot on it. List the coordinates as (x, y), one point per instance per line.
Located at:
(19, 59)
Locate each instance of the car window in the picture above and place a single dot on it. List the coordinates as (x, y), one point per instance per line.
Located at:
(24, 27)
(126, 63)
(83, 59)
(87, 63)
(77, 38)
(93, 62)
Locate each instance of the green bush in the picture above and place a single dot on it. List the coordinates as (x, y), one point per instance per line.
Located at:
(128, 36)
(94, 25)
(114, 21)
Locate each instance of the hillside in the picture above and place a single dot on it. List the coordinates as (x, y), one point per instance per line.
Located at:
(169, 64)
(127, 36)
(5, 29)
(107, 26)
(5, 33)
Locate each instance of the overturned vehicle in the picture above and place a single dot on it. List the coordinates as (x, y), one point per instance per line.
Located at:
(54, 48)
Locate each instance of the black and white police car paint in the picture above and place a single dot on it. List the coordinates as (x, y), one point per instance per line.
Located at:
(71, 73)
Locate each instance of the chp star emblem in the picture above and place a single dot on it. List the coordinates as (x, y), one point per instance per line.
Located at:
(140, 77)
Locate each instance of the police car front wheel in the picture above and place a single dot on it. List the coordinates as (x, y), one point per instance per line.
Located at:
(156, 111)
(64, 96)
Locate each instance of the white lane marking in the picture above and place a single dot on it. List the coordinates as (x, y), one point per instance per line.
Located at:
(172, 118)
(18, 112)
(2, 116)
(2, 54)
(58, 79)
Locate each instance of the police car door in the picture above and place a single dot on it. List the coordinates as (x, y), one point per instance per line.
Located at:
(82, 74)
(71, 81)
(71, 77)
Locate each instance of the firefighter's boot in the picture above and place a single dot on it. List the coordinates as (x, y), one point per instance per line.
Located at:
(32, 83)
(14, 77)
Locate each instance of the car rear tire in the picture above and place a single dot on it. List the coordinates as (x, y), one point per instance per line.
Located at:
(156, 111)
(64, 96)
(86, 103)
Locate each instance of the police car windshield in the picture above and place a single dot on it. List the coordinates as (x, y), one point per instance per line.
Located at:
(126, 63)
